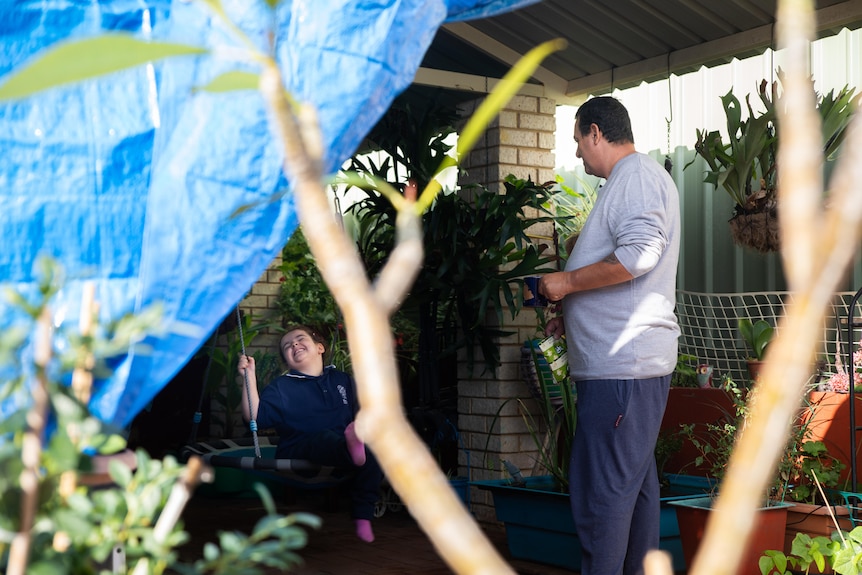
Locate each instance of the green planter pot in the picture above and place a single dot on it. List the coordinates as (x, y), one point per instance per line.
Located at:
(540, 528)
(768, 532)
(461, 486)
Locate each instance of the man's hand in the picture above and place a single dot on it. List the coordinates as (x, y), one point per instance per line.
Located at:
(555, 286)
(555, 327)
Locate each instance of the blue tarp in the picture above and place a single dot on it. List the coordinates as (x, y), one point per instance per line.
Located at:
(129, 181)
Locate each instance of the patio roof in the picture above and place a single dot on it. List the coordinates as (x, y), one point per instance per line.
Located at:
(611, 44)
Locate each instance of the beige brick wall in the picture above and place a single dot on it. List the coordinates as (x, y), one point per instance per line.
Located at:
(519, 141)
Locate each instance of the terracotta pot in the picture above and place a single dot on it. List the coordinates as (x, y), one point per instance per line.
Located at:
(693, 405)
(768, 533)
(815, 521)
(829, 422)
(755, 366)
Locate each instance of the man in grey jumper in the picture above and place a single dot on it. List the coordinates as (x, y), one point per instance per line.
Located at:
(618, 294)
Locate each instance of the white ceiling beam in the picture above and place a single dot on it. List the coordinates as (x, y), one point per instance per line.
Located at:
(554, 84)
(481, 85)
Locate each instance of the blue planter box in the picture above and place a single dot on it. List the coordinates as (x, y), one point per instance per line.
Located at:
(539, 525)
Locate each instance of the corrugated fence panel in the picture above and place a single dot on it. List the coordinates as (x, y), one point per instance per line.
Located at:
(667, 114)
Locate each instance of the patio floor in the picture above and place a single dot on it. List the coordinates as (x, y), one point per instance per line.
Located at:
(400, 547)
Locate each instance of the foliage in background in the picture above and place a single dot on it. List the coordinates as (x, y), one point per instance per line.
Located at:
(76, 528)
(685, 372)
(814, 464)
(413, 139)
(303, 297)
(466, 242)
(476, 254)
(572, 206)
(749, 156)
(746, 165)
(800, 460)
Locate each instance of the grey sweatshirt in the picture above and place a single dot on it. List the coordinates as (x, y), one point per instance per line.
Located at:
(629, 330)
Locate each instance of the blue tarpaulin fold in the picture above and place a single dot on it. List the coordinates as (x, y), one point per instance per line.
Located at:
(130, 181)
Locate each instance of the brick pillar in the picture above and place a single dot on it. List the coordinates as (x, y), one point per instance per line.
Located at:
(520, 141)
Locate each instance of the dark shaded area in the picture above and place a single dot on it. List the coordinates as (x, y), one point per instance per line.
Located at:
(166, 424)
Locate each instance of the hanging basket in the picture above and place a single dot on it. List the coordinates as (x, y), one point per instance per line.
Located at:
(757, 230)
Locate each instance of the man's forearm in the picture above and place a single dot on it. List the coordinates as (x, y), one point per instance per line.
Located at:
(601, 274)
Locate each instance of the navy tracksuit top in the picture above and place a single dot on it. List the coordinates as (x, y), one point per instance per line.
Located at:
(295, 405)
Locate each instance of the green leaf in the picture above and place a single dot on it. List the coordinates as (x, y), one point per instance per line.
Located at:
(113, 444)
(211, 551)
(231, 542)
(120, 474)
(757, 335)
(306, 519)
(49, 567)
(71, 522)
(231, 81)
(85, 59)
(265, 497)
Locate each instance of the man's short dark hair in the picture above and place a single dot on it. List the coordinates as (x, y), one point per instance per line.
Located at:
(609, 115)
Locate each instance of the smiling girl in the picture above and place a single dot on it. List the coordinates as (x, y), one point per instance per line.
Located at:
(312, 408)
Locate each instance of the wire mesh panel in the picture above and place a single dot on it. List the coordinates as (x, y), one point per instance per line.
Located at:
(709, 327)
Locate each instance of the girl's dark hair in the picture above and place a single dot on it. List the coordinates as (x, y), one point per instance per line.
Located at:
(609, 115)
(316, 337)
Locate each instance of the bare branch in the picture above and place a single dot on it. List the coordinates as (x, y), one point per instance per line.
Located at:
(31, 450)
(800, 157)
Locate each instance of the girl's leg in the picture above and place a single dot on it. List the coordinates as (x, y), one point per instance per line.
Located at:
(364, 494)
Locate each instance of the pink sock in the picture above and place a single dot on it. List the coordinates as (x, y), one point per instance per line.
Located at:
(355, 447)
(364, 531)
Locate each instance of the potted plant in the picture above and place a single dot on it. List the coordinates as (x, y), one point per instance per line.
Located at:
(757, 336)
(745, 165)
(714, 442)
(816, 512)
